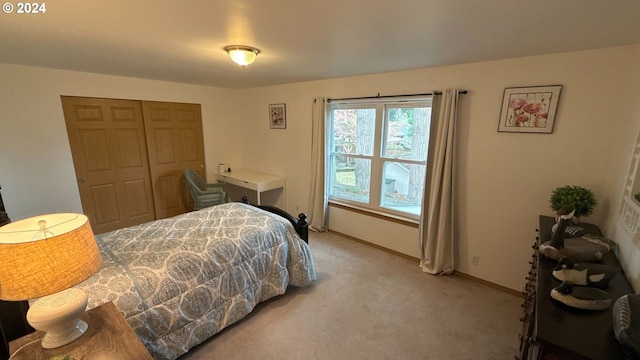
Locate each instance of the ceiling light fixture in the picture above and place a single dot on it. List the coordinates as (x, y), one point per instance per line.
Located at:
(241, 54)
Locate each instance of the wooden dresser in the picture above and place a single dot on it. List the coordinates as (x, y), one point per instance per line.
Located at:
(552, 330)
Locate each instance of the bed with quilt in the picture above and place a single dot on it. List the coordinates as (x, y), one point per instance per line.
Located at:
(179, 281)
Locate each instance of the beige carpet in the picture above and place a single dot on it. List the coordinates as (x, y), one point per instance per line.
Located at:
(370, 304)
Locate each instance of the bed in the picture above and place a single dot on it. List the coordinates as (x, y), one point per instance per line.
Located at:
(179, 281)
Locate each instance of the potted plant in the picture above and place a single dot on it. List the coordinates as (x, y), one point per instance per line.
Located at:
(577, 197)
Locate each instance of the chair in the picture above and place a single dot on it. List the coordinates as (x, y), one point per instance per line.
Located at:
(204, 195)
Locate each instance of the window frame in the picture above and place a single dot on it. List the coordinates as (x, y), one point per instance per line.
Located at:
(378, 159)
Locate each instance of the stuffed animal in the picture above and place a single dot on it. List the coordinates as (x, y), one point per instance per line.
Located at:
(585, 274)
(626, 322)
(582, 249)
(586, 298)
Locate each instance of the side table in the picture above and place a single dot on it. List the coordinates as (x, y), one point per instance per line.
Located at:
(108, 337)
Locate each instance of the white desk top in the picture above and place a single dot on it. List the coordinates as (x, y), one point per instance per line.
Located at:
(251, 179)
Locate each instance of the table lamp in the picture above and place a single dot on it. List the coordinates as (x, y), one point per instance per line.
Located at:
(43, 257)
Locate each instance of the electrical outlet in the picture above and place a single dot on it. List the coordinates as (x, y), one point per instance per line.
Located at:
(475, 260)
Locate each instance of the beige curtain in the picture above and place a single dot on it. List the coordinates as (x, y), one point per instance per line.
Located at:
(317, 194)
(437, 220)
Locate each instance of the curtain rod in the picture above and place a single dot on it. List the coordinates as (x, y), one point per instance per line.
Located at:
(392, 96)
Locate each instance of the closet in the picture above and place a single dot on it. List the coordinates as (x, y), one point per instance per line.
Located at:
(129, 158)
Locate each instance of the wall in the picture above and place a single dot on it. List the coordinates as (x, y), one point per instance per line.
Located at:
(505, 179)
(629, 251)
(36, 169)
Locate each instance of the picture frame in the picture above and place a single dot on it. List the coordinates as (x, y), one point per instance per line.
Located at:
(278, 116)
(530, 109)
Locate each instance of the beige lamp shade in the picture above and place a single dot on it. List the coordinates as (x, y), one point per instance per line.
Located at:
(46, 254)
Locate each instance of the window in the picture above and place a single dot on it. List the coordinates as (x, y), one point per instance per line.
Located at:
(377, 154)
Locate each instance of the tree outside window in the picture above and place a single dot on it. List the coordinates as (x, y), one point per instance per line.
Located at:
(378, 154)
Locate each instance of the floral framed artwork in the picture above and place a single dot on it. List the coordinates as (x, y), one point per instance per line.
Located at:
(278, 116)
(529, 109)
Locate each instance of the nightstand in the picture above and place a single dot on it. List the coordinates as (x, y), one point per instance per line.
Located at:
(108, 337)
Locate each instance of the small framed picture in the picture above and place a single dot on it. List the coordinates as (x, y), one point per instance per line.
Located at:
(529, 109)
(278, 116)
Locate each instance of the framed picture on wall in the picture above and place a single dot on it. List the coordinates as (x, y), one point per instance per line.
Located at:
(529, 109)
(278, 116)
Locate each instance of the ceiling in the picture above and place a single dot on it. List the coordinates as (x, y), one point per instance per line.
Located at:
(302, 40)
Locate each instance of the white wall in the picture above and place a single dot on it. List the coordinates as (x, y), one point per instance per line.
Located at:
(36, 168)
(629, 252)
(505, 179)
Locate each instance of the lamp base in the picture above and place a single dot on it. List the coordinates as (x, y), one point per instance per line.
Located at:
(58, 315)
(54, 339)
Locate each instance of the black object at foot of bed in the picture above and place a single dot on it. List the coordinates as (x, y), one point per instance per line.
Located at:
(300, 224)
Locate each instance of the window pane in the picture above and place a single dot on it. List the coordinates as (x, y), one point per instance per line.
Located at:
(407, 133)
(353, 131)
(351, 178)
(403, 186)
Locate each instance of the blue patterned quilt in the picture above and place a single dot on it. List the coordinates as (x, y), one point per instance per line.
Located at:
(179, 281)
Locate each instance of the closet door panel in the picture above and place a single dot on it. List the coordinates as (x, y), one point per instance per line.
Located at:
(109, 151)
(175, 142)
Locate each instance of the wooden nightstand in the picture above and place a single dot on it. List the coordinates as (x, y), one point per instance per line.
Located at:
(108, 337)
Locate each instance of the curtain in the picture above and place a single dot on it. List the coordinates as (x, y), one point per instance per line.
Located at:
(317, 194)
(436, 229)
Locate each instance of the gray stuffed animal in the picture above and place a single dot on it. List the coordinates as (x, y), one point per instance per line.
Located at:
(585, 274)
(581, 297)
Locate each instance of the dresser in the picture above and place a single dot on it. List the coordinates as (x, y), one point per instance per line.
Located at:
(260, 188)
(552, 330)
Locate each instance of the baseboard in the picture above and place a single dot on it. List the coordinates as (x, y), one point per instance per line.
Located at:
(489, 284)
(409, 257)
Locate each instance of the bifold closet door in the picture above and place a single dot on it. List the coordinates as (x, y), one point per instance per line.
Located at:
(109, 149)
(175, 143)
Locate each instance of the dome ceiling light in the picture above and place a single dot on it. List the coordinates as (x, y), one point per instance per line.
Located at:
(241, 54)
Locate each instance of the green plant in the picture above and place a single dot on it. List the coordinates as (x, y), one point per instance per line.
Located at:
(581, 199)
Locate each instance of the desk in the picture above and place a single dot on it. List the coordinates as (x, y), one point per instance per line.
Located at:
(108, 337)
(256, 181)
